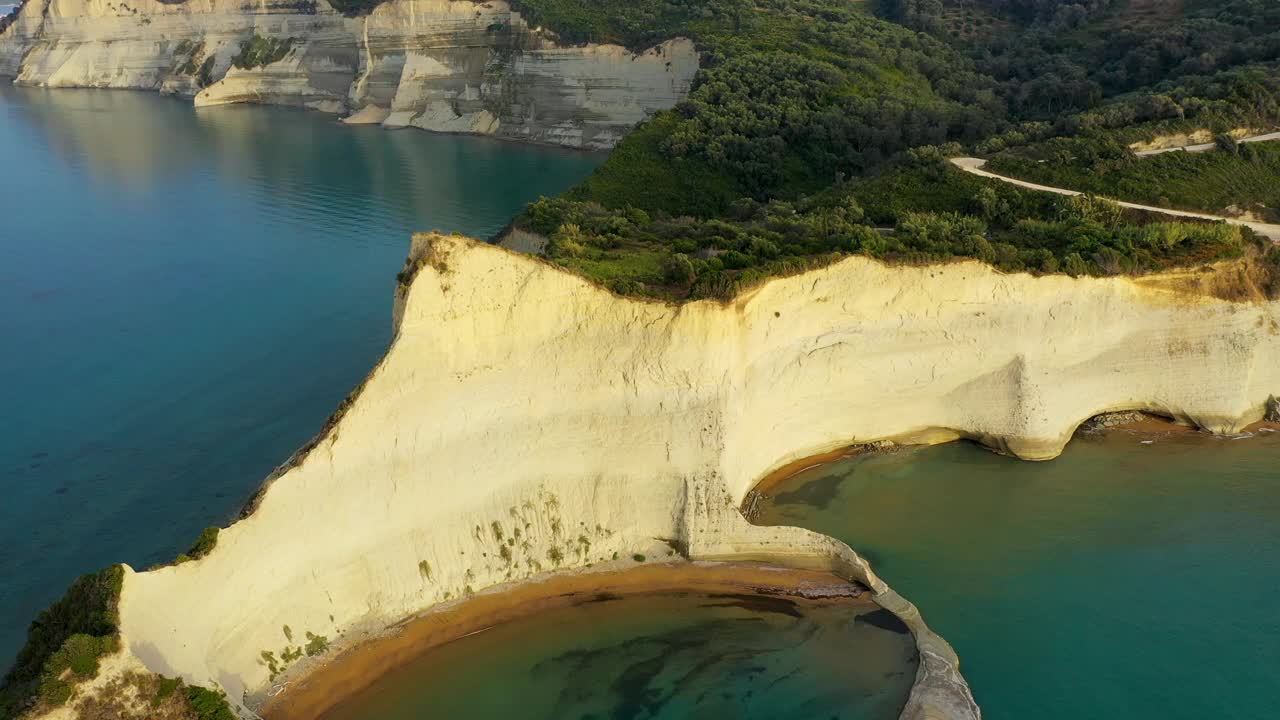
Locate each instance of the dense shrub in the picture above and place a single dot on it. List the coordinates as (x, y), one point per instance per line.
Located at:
(209, 704)
(1244, 178)
(259, 51)
(70, 635)
(203, 545)
(205, 77)
(1053, 58)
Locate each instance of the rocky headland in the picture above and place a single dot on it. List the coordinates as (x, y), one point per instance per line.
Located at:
(527, 423)
(443, 65)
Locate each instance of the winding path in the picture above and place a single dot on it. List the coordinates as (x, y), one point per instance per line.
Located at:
(1206, 147)
(975, 165)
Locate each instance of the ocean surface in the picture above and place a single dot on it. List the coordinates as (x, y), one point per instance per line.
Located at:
(186, 295)
(661, 657)
(1122, 581)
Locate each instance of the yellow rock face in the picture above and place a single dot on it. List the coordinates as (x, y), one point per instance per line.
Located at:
(526, 421)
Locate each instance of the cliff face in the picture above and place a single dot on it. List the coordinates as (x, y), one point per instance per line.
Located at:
(525, 421)
(453, 66)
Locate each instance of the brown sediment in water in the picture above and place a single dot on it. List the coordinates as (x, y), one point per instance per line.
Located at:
(791, 469)
(360, 666)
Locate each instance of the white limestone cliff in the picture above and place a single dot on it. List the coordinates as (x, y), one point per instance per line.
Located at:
(445, 65)
(526, 421)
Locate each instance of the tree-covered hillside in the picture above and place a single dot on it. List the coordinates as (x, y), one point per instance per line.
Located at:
(1052, 57)
(817, 128)
(820, 128)
(1237, 179)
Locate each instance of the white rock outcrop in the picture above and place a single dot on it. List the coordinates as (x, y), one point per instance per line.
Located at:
(525, 421)
(446, 65)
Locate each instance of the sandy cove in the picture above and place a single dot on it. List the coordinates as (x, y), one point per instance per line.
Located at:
(357, 668)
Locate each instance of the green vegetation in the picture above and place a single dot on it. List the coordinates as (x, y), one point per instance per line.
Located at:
(815, 131)
(316, 644)
(1243, 178)
(65, 642)
(920, 210)
(165, 688)
(260, 51)
(273, 665)
(203, 545)
(205, 76)
(209, 704)
(1052, 58)
(192, 52)
(351, 8)
(638, 557)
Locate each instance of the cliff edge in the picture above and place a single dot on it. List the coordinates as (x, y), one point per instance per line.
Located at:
(525, 421)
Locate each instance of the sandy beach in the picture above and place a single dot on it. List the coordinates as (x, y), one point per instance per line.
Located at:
(357, 668)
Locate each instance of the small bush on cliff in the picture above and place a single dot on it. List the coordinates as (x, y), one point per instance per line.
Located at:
(203, 545)
(72, 634)
(260, 51)
(164, 688)
(205, 77)
(317, 644)
(1271, 264)
(209, 704)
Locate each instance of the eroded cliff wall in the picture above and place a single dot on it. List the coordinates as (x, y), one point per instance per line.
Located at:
(453, 66)
(526, 421)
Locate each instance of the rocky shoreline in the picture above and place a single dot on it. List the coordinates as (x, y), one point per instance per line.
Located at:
(449, 66)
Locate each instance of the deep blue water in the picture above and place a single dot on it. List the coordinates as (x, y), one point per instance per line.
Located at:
(184, 298)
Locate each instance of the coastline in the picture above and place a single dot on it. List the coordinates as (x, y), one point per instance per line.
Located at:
(1144, 426)
(1150, 427)
(324, 687)
(645, 468)
(319, 689)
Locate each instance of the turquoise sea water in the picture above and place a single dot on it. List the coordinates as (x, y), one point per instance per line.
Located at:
(1122, 580)
(661, 657)
(186, 295)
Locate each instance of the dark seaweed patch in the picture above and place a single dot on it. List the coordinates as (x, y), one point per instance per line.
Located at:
(757, 603)
(817, 493)
(884, 620)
